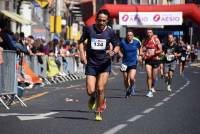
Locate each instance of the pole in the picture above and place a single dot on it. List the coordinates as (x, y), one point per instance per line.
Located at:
(55, 16)
(191, 34)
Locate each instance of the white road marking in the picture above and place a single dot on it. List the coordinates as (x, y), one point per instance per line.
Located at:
(148, 110)
(159, 104)
(172, 94)
(115, 129)
(196, 72)
(36, 117)
(13, 114)
(142, 72)
(114, 73)
(111, 78)
(72, 86)
(166, 99)
(134, 118)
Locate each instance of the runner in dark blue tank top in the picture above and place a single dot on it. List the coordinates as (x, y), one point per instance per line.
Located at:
(96, 54)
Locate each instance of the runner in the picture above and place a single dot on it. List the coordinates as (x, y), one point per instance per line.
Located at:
(171, 52)
(129, 50)
(152, 49)
(96, 54)
(182, 58)
(161, 66)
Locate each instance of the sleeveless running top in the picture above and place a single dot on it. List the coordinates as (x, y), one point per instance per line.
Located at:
(151, 47)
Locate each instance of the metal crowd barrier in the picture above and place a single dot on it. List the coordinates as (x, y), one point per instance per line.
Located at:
(8, 77)
(198, 56)
(41, 69)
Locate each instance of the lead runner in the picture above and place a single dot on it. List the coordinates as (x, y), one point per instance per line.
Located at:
(96, 55)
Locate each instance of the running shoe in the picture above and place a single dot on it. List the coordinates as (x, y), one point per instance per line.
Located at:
(133, 90)
(98, 117)
(92, 103)
(166, 80)
(128, 92)
(153, 90)
(149, 94)
(103, 106)
(169, 88)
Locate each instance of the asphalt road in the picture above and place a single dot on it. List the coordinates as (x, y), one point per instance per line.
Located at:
(62, 109)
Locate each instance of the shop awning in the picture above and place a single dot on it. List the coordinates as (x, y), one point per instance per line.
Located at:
(16, 17)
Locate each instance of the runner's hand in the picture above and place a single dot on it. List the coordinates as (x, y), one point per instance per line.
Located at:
(83, 60)
(110, 52)
(140, 59)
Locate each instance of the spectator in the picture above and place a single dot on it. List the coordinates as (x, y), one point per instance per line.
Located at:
(1, 55)
(1, 49)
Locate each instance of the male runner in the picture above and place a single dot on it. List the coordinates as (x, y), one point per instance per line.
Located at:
(96, 54)
(152, 49)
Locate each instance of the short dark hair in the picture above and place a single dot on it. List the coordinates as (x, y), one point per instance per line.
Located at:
(130, 30)
(2, 24)
(103, 11)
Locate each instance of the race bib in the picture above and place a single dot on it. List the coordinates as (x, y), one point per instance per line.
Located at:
(98, 44)
(123, 67)
(170, 57)
(182, 58)
(151, 52)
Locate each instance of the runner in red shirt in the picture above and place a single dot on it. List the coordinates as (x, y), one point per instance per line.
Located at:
(152, 49)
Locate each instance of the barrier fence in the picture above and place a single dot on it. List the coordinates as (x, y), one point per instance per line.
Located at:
(198, 55)
(35, 70)
(8, 77)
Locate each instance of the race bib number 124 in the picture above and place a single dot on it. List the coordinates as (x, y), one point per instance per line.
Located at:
(98, 44)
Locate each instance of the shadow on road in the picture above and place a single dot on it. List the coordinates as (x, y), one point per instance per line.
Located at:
(70, 110)
(73, 118)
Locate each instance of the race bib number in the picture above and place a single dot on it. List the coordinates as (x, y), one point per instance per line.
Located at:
(182, 58)
(151, 52)
(123, 67)
(170, 57)
(98, 44)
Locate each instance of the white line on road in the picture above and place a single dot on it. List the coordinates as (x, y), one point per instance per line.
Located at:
(172, 94)
(36, 117)
(166, 99)
(115, 129)
(72, 86)
(148, 110)
(177, 91)
(134, 118)
(159, 104)
(114, 73)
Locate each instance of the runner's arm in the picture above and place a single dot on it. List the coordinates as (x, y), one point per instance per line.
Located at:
(159, 51)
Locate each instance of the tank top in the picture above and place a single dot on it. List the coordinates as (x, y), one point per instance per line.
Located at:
(151, 47)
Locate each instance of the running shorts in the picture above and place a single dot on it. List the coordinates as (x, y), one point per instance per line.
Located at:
(152, 63)
(170, 66)
(95, 70)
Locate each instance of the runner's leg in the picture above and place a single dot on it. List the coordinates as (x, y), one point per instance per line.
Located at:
(154, 78)
(131, 76)
(101, 84)
(91, 88)
(125, 76)
(149, 70)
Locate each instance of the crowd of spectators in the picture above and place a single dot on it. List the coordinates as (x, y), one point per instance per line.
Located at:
(37, 47)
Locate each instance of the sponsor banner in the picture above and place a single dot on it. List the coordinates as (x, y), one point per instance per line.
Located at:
(150, 18)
